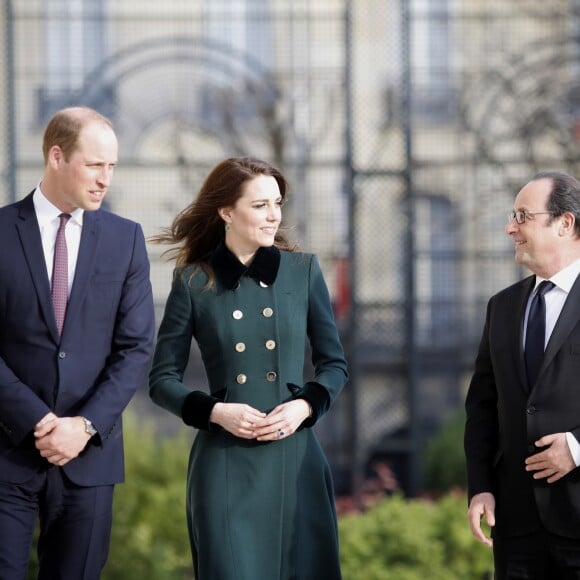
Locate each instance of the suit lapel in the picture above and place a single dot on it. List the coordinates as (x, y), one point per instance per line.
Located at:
(31, 241)
(520, 303)
(85, 265)
(566, 322)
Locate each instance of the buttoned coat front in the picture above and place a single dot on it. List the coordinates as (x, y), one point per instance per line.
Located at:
(255, 509)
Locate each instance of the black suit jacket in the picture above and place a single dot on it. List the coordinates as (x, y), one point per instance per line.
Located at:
(103, 355)
(505, 415)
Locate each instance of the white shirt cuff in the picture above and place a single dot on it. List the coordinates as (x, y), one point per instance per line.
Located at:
(574, 447)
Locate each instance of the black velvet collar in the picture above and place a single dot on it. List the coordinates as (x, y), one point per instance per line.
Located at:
(228, 269)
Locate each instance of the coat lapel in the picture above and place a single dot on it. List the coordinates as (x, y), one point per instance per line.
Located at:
(85, 265)
(30, 239)
(567, 320)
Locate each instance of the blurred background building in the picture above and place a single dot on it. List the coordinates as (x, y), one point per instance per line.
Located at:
(404, 126)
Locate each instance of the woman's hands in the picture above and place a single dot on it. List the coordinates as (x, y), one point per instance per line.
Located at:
(282, 421)
(248, 423)
(237, 418)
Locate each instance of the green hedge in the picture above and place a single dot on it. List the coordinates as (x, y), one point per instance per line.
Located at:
(396, 539)
(401, 539)
(444, 458)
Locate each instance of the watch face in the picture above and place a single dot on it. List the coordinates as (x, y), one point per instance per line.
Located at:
(89, 427)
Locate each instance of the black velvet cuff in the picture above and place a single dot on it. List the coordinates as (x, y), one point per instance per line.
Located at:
(318, 398)
(197, 409)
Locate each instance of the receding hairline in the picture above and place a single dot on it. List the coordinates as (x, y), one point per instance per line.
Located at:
(84, 115)
(75, 119)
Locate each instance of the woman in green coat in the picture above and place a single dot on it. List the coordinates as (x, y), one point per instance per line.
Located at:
(260, 502)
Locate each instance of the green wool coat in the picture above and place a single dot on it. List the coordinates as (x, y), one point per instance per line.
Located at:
(256, 510)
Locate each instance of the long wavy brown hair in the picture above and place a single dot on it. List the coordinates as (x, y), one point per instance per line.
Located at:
(197, 229)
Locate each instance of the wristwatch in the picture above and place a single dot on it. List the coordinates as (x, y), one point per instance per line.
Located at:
(89, 427)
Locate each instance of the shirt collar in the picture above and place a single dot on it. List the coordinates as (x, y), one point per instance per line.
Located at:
(46, 212)
(565, 278)
(228, 269)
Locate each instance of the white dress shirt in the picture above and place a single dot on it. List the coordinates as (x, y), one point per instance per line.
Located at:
(48, 222)
(555, 299)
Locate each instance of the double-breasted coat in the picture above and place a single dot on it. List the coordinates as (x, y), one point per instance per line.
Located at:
(255, 509)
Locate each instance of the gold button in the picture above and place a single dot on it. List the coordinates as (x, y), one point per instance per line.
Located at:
(241, 379)
(240, 347)
(237, 314)
(267, 312)
(263, 284)
(271, 376)
(270, 344)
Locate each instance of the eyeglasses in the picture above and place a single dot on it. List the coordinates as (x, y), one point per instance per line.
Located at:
(521, 215)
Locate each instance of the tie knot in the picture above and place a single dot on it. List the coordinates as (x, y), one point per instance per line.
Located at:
(64, 217)
(544, 287)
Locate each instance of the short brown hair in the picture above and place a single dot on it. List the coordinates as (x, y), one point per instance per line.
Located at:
(64, 128)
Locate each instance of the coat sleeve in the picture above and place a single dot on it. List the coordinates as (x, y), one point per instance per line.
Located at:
(171, 356)
(330, 368)
(482, 426)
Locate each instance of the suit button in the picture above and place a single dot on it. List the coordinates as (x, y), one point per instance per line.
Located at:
(240, 347)
(270, 344)
(271, 376)
(237, 314)
(241, 379)
(531, 410)
(531, 449)
(61, 354)
(267, 312)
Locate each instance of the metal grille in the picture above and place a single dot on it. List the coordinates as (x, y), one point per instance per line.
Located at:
(404, 126)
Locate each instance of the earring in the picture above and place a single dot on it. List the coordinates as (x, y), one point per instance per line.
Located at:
(227, 228)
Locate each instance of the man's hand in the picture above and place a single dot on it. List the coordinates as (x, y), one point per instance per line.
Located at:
(554, 461)
(60, 439)
(45, 425)
(481, 505)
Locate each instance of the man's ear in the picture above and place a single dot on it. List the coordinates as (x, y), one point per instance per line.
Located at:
(55, 156)
(567, 224)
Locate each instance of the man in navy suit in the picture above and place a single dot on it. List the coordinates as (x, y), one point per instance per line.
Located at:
(523, 405)
(63, 390)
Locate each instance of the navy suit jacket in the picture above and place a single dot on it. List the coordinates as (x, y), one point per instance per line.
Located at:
(505, 416)
(100, 360)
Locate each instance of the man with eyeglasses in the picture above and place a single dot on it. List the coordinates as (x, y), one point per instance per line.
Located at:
(523, 404)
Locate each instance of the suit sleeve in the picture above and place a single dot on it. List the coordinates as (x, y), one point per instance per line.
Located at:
(20, 407)
(481, 428)
(131, 346)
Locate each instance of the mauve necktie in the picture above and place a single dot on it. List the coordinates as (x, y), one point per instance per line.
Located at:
(59, 291)
(536, 332)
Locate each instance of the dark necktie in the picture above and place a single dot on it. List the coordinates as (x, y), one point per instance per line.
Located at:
(536, 332)
(59, 291)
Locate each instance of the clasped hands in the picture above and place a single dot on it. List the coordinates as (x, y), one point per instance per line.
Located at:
(552, 463)
(60, 439)
(248, 423)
